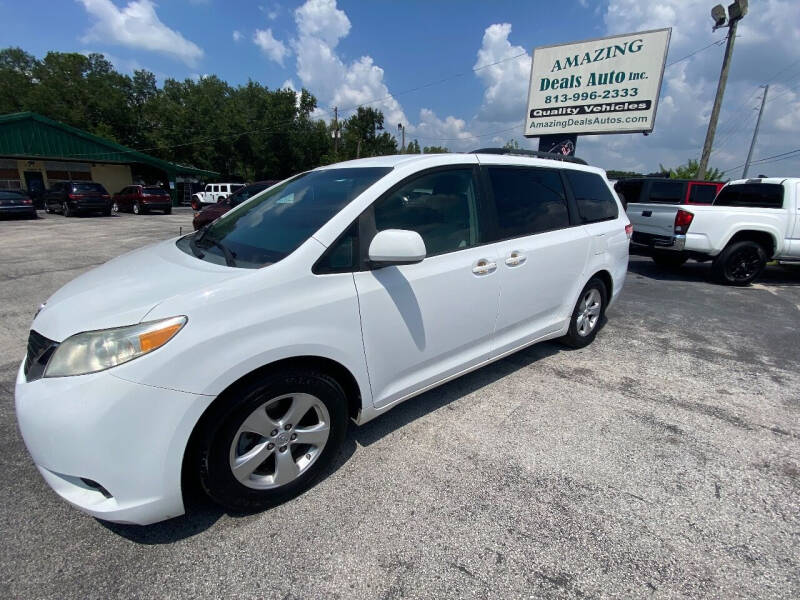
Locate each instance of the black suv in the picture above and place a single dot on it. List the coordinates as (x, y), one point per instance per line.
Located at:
(73, 197)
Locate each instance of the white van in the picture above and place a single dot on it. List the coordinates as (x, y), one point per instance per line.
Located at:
(241, 354)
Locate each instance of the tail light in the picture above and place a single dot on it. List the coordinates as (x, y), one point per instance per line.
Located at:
(683, 219)
(27, 201)
(629, 230)
(73, 196)
(106, 196)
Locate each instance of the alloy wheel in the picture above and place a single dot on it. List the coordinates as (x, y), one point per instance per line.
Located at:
(743, 264)
(279, 441)
(588, 312)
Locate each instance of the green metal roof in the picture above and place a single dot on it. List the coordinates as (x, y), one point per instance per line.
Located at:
(29, 135)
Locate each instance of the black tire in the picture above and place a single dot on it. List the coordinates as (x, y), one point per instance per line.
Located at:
(66, 210)
(48, 210)
(740, 263)
(575, 338)
(669, 260)
(220, 428)
(107, 212)
(168, 211)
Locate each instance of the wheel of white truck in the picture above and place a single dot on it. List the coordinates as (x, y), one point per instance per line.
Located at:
(740, 263)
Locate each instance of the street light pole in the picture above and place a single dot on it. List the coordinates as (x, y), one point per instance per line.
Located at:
(755, 132)
(402, 131)
(736, 11)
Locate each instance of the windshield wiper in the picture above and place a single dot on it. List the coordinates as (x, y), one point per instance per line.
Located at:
(230, 257)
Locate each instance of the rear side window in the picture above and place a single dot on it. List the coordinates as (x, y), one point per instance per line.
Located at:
(666, 192)
(155, 191)
(700, 193)
(755, 195)
(84, 188)
(594, 199)
(528, 200)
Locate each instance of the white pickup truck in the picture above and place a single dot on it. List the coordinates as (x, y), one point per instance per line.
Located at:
(751, 222)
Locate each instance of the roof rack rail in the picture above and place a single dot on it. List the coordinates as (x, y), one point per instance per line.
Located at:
(533, 153)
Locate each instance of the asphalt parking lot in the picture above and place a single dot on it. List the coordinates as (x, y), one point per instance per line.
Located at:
(663, 461)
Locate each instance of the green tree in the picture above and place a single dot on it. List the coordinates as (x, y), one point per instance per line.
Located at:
(511, 145)
(363, 135)
(690, 170)
(413, 148)
(16, 79)
(435, 150)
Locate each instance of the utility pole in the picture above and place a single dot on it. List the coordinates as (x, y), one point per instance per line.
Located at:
(336, 131)
(755, 132)
(403, 131)
(736, 11)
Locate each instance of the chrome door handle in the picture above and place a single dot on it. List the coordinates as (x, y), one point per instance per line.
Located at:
(516, 258)
(483, 266)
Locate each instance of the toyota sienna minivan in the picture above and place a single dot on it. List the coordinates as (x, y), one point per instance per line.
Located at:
(236, 355)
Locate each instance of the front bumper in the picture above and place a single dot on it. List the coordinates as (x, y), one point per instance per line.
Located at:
(98, 429)
(658, 242)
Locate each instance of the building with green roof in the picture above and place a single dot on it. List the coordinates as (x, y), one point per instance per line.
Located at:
(36, 152)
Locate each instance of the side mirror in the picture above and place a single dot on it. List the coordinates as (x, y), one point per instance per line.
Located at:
(396, 247)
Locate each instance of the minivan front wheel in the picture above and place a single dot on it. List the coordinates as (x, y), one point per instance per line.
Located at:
(272, 439)
(587, 315)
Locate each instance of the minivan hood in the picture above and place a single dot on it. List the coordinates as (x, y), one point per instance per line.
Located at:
(123, 290)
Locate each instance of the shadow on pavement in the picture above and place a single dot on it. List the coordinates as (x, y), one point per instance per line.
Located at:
(202, 513)
(701, 272)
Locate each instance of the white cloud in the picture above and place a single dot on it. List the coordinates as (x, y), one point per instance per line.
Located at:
(507, 82)
(137, 26)
(237, 35)
(274, 49)
(320, 27)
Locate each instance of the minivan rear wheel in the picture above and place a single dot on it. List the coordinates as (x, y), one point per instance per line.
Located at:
(588, 314)
(271, 439)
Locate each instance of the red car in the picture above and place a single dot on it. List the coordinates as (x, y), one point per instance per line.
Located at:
(213, 212)
(141, 199)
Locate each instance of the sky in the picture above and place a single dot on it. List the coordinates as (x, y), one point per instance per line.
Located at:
(424, 63)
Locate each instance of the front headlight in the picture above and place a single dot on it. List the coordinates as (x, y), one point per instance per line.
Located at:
(93, 351)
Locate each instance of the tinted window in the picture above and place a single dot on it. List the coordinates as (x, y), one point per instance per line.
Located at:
(700, 193)
(666, 192)
(88, 188)
(758, 195)
(273, 225)
(155, 191)
(629, 190)
(342, 256)
(528, 200)
(215, 188)
(440, 206)
(594, 199)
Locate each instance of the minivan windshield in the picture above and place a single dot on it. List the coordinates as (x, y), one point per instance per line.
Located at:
(274, 224)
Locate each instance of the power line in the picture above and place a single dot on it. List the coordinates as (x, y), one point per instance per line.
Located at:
(766, 159)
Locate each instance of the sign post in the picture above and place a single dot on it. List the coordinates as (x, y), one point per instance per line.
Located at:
(607, 85)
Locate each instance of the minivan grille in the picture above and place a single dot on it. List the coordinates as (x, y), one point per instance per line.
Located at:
(40, 349)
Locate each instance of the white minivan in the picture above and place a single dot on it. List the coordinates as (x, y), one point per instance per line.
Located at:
(237, 355)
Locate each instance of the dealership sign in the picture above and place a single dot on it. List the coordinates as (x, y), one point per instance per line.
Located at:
(609, 85)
